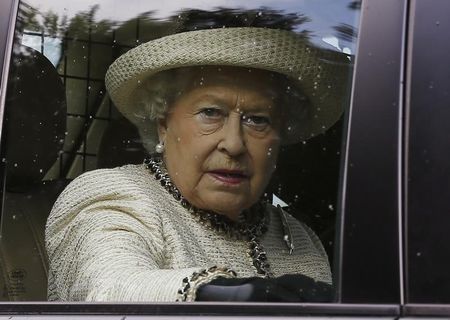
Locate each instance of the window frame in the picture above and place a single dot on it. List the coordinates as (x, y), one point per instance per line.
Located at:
(375, 124)
(355, 296)
(8, 16)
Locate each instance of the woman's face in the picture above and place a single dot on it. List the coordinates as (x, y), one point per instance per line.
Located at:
(222, 137)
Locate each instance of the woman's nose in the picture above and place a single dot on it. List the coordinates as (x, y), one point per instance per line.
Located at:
(232, 140)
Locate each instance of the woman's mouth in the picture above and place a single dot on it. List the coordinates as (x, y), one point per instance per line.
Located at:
(232, 177)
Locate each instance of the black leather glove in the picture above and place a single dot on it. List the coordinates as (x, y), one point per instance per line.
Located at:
(287, 288)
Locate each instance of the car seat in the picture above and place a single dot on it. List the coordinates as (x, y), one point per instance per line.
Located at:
(33, 135)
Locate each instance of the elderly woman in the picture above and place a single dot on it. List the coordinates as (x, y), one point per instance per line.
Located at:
(213, 107)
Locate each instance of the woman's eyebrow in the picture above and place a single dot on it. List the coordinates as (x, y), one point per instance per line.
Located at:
(261, 104)
(212, 98)
(260, 107)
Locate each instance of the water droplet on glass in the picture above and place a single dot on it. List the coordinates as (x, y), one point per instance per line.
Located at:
(438, 23)
(178, 139)
(259, 13)
(15, 165)
(418, 254)
(330, 207)
(40, 170)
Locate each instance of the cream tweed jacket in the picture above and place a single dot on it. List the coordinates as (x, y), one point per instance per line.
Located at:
(117, 235)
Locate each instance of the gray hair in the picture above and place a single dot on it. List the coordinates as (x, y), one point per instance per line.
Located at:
(153, 97)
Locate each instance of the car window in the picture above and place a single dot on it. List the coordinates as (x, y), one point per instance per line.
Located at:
(61, 122)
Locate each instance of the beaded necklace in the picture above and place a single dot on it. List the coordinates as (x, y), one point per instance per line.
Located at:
(251, 224)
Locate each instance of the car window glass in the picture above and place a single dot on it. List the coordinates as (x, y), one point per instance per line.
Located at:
(60, 121)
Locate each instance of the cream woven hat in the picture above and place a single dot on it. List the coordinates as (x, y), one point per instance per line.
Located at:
(322, 75)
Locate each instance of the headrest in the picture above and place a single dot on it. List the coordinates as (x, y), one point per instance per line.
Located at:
(35, 121)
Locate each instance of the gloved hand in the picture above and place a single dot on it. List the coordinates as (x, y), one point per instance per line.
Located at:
(287, 288)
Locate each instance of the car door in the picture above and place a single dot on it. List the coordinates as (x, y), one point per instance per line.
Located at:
(427, 171)
(367, 200)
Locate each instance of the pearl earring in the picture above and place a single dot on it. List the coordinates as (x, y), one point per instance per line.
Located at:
(159, 148)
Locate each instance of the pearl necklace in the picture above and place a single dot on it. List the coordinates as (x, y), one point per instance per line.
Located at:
(251, 224)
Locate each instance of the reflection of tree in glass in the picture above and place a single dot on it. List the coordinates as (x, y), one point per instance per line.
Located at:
(356, 5)
(346, 32)
(78, 26)
(194, 19)
(27, 16)
(50, 24)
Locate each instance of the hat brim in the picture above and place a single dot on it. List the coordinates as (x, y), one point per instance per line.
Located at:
(322, 75)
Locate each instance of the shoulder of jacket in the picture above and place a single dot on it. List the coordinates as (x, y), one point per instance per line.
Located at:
(124, 189)
(108, 179)
(103, 184)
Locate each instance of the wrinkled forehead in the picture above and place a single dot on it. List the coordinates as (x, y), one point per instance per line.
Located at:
(264, 82)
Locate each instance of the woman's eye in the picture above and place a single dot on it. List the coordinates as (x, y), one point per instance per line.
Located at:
(257, 122)
(213, 113)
